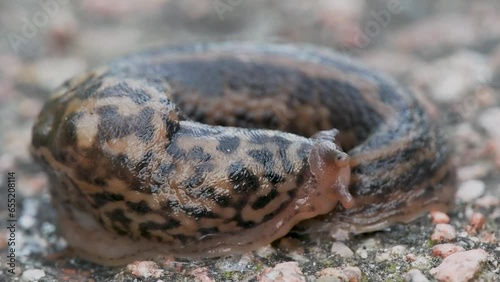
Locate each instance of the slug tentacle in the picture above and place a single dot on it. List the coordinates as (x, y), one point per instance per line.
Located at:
(214, 149)
(330, 166)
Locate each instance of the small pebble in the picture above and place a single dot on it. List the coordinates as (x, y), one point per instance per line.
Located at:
(487, 201)
(33, 185)
(420, 262)
(288, 244)
(488, 120)
(460, 267)
(32, 275)
(474, 171)
(353, 273)
(397, 250)
(362, 253)
(328, 279)
(201, 274)
(439, 217)
(410, 257)
(415, 275)
(470, 190)
(265, 252)
(3, 239)
(382, 257)
(144, 269)
(331, 275)
(450, 79)
(489, 238)
(298, 257)
(342, 250)
(246, 259)
(282, 272)
(349, 273)
(443, 233)
(444, 250)
(476, 222)
(371, 244)
(27, 221)
(494, 147)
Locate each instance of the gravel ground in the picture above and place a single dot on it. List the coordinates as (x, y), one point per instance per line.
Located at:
(446, 50)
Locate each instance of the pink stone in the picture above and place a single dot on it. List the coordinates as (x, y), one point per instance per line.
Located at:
(460, 267)
(439, 217)
(144, 269)
(444, 250)
(443, 233)
(282, 272)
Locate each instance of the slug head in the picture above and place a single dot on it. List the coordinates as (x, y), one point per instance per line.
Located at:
(330, 166)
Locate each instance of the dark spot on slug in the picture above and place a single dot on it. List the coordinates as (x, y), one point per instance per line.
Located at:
(111, 124)
(292, 193)
(122, 89)
(246, 223)
(199, 212)
(169, 224)
(285, 162)
(303, 151)
(171, 126)
(117, 216)
(281, 142)
(204, 167)
(101, 199)
(170, 205)
(197, 153)
(208, 230)
(259, 138)
(69, 127)
(242, 179)
(228, 144)
(99, 181)
(88, 88)
(181, 237)
(262, 201)
(193, 181)
(141, 207)
(262, 156)
(145, 227)
(274, 178)
(209, 192)
(277, 211)
(222, 200)
(144, 125)
(166, 169)
(146, 160)
(119, 231)
(174, 150)
(265, 157)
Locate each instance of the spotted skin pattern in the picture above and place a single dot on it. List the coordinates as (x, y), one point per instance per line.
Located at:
(212, 149)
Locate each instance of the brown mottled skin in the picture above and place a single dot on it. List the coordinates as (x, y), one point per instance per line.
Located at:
(211, 149)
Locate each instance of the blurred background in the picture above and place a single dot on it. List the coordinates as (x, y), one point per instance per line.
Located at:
(448, 51)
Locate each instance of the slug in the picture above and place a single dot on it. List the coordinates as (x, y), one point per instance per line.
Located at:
(220, 148)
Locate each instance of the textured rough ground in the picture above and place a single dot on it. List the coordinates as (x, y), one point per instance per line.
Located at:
(446, 50)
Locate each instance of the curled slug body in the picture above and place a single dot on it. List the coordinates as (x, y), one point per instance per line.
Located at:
(211, 149)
